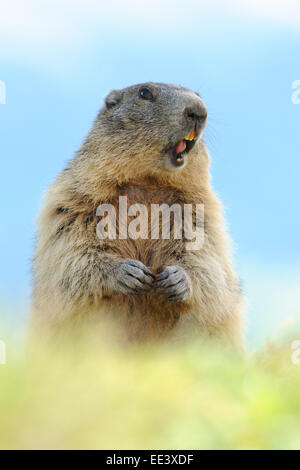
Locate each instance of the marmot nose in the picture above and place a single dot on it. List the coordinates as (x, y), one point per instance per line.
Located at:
(196, 113)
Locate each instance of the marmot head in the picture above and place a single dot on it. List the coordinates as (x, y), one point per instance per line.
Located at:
(154, 122)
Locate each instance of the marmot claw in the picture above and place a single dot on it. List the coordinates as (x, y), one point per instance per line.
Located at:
(134, 277)
(174, 283)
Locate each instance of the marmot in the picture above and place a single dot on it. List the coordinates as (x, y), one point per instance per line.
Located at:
(147, 144)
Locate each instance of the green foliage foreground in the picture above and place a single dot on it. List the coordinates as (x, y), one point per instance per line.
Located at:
(167, 396)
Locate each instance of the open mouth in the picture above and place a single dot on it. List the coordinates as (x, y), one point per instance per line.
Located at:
(182, 147)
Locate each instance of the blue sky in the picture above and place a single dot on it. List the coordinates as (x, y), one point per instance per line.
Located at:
(59, 59)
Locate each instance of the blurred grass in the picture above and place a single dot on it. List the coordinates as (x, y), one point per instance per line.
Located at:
(192, 395)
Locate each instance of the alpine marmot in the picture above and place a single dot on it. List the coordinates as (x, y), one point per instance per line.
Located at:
(146, 146)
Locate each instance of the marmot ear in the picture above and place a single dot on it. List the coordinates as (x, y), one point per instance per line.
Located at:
(113, 98)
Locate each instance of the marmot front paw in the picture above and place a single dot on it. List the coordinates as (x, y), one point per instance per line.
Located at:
(174, 283)
(133, 277)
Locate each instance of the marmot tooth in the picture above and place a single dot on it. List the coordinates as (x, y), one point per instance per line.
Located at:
(190, 136)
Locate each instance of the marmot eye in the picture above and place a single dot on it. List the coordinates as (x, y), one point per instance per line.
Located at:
(145, 94)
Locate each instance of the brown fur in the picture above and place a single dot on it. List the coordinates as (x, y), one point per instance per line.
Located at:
(74, 270)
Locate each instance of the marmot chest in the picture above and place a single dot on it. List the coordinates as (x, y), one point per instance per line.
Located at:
(148, 223)
(151, 195)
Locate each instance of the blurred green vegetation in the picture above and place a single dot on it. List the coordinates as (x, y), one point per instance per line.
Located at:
(190, 395)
